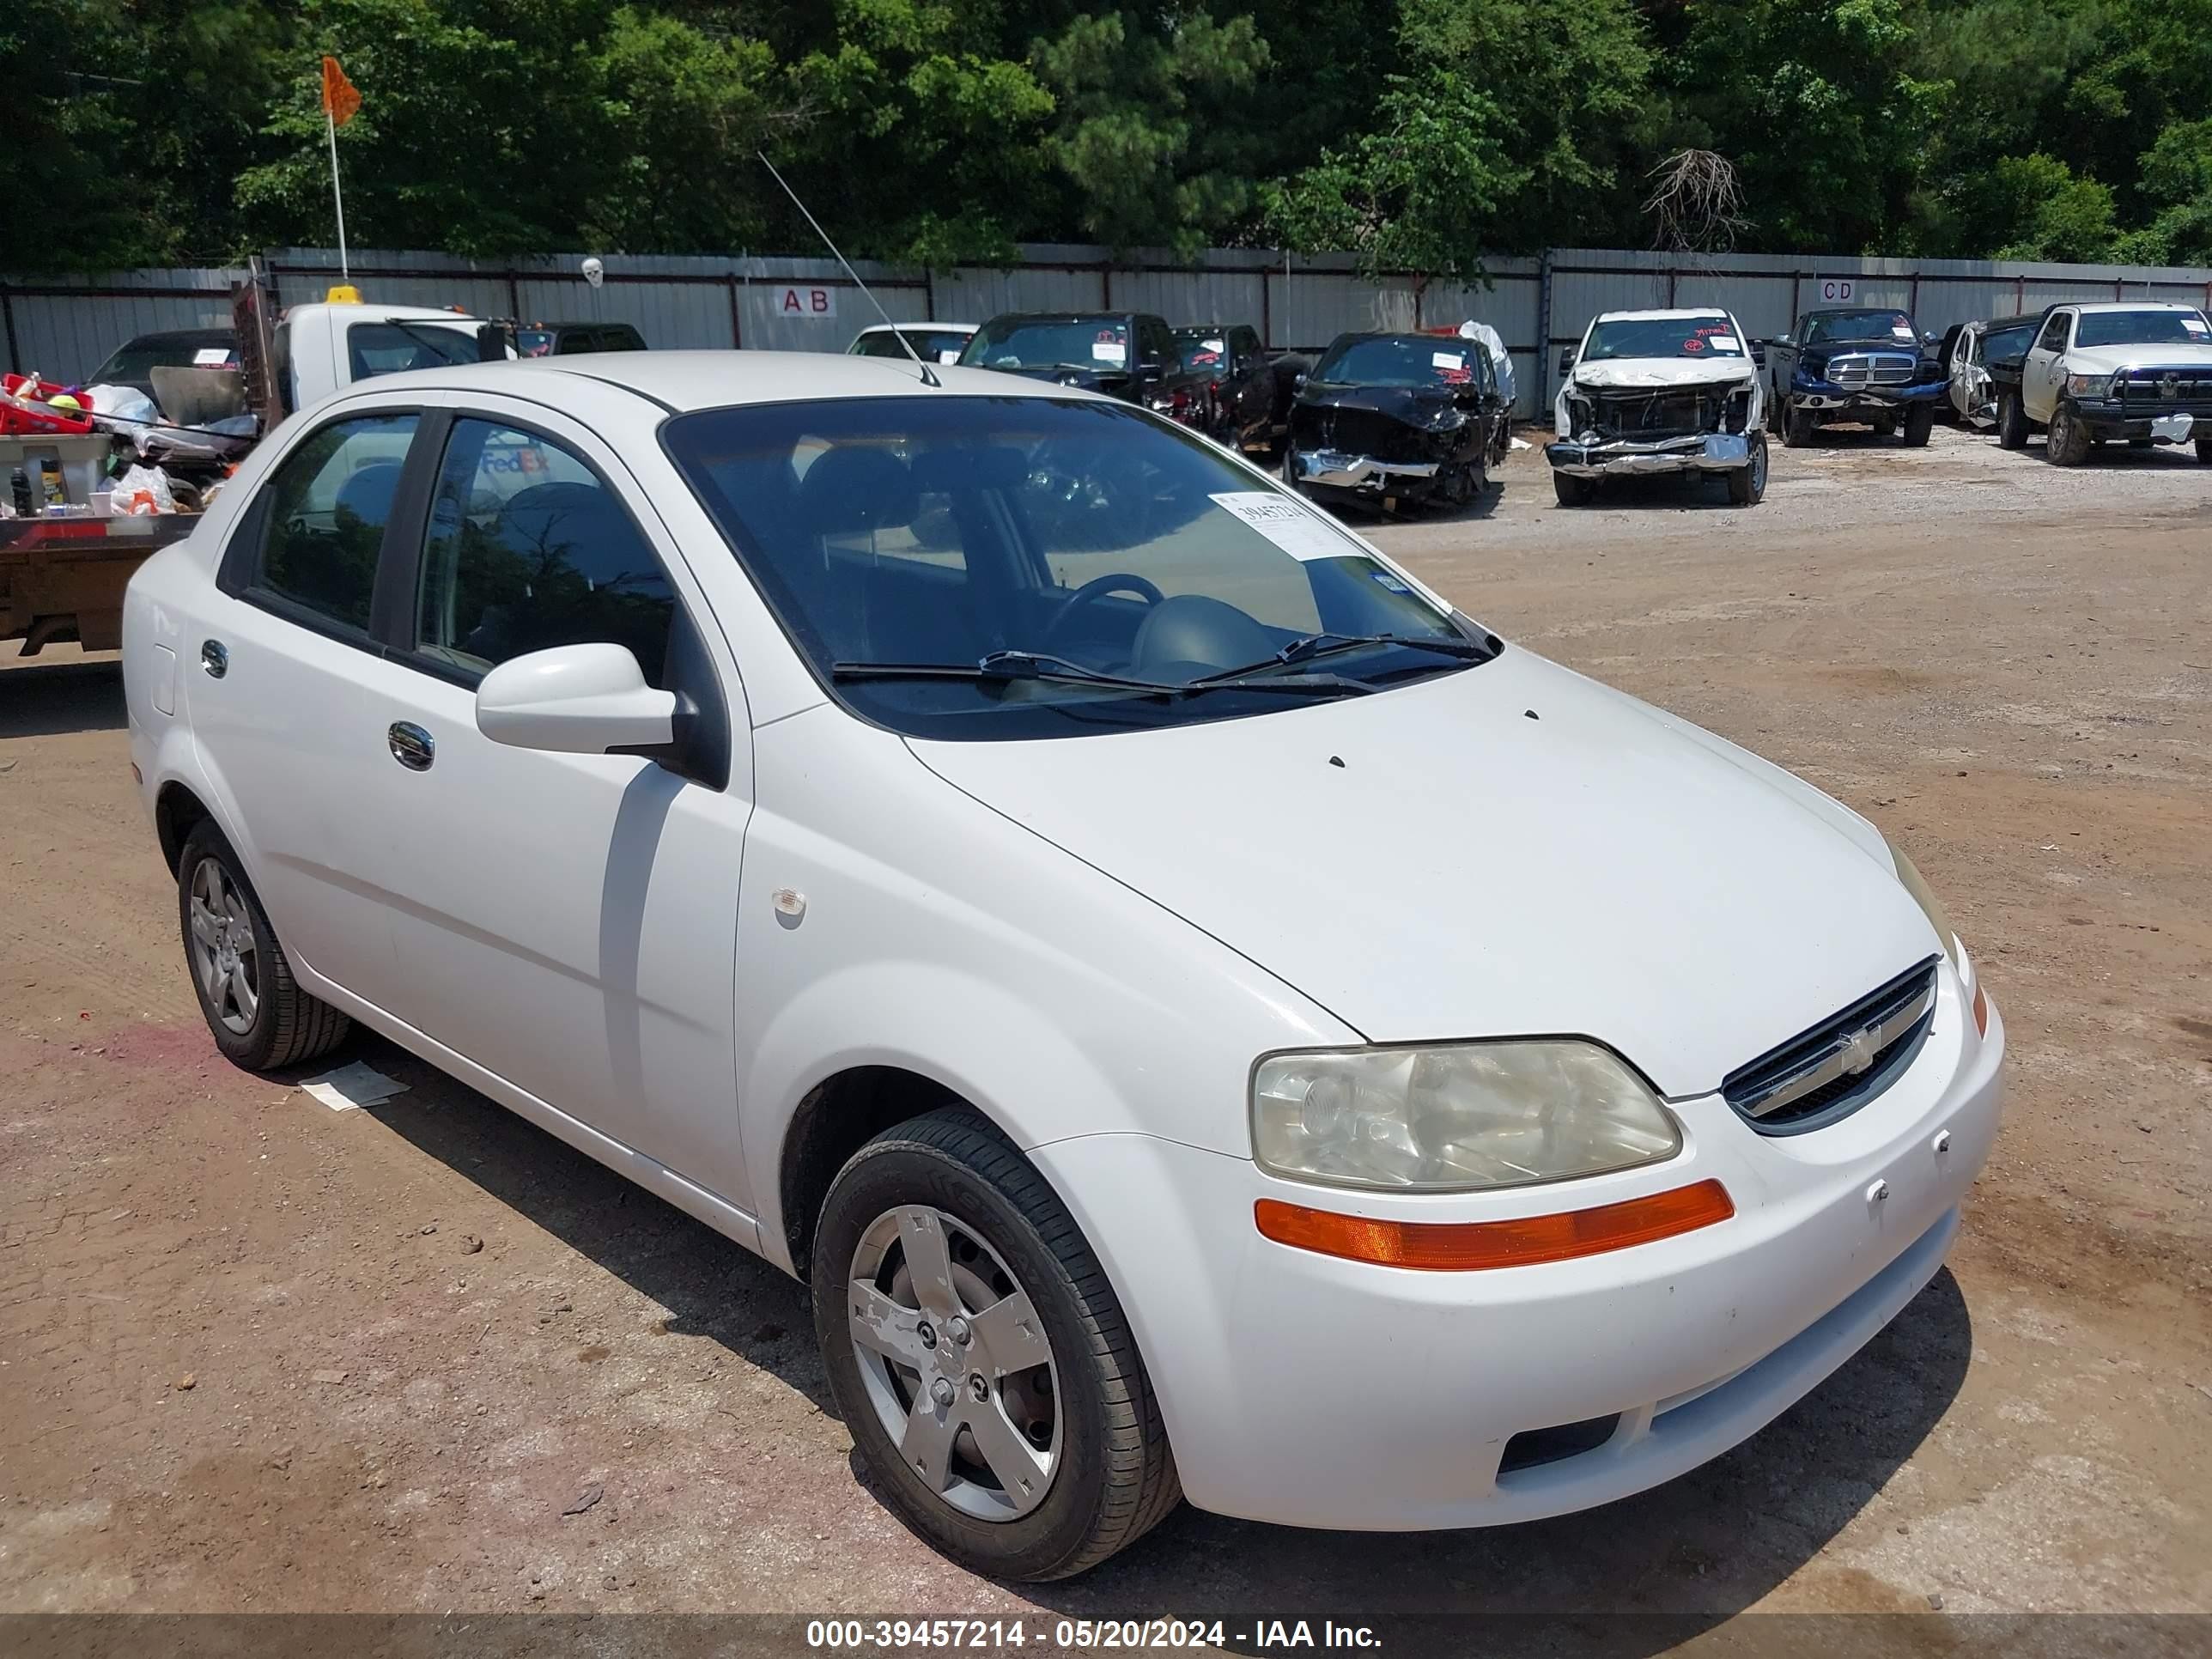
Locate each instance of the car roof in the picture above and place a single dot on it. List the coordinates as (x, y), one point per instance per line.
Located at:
(2019, 321)
(184, 336)
(1681, 315)
(680, 381)
(1852, 311)
(885, 328)
(2088, 308)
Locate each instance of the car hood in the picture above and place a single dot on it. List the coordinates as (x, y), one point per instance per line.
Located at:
(1419, 406)
(1662, 371)
(2106, 360)
(1509, 849)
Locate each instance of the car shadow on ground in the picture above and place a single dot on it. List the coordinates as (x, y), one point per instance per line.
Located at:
(53, 699)
(1678, 1559)
(1661, 492)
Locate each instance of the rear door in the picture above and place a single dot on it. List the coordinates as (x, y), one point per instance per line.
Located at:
(283, 700)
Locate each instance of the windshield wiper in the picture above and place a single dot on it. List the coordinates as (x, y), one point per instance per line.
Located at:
(1059, 671)
(1312, 646)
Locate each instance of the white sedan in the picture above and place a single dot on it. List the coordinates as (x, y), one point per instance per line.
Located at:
(1205, 1018)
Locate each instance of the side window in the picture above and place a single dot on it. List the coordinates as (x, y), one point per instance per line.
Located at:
(527, 548)
(327, 506)
(388, 348)
(2054, 334)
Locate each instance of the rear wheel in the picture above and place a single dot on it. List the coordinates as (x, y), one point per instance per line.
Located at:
(1571, 490)
(2067, 443)
(1748, 483)
(258, 1014)
(979, 1357)
(1885, 425)
(1919, 421)
(2012, 422)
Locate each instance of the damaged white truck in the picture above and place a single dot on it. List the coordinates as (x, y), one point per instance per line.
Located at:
(1659, 391)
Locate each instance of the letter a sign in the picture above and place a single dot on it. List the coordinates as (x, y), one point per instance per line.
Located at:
(817, 304)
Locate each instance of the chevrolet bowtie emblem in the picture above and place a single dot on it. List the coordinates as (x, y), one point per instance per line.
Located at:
(1858, 1052)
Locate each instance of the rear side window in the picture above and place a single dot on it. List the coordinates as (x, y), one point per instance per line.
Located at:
(527, 548)
(327, 506)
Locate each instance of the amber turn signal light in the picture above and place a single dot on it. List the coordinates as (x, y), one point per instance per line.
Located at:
(1466, 1246)
(1981, 1012)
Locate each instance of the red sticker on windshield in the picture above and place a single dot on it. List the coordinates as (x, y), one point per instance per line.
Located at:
(1695, 342)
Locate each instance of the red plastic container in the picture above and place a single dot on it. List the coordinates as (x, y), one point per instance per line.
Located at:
(32, 418)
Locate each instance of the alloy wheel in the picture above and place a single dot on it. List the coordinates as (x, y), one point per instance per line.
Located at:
(224, 958)
(955, 1362)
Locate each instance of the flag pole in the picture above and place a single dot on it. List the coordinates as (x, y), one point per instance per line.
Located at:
(337, 196)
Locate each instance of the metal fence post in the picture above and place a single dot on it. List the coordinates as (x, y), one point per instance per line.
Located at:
(1543, 333)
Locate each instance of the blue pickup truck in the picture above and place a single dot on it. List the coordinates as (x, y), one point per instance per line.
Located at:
(1865, 365)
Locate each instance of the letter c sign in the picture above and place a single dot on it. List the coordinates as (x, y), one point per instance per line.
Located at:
(1836, 289)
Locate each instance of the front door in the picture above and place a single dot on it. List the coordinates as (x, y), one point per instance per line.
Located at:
(2043, 376)
(568, 922)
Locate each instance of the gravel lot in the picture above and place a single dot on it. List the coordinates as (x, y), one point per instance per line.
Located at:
(256, 1355)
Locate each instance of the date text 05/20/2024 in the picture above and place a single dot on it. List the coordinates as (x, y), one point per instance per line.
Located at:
(1089, 1634)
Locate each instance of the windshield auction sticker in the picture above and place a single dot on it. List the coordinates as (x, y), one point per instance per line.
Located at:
(1291, 526)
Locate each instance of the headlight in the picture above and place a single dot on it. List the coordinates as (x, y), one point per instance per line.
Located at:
(1930, 906)
(2087, 385)
(1456, 1117)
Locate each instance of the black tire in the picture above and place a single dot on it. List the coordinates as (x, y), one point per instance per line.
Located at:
(1748, 483)
(2012, 422)
(1885, 426)
(1919, 421)
(2067, 441)
(1797, 428)
(287, 1025)
(1572, 491)
(2204, 452)
(1116, 1478)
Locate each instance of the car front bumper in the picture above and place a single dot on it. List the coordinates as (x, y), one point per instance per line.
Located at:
(1363, 475)
(2133, 421)
(1709, 452)
(1829, 399)
(1305, 1390)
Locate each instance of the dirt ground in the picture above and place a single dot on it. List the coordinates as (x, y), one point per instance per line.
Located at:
(256, 1355)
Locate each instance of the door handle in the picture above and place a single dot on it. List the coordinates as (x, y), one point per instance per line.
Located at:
(215, 659)
(411, 746)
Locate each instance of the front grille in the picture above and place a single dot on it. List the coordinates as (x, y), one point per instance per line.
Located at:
(2166, 390)
(1828, 1072)
(1361, 432)
(1872, 368)
(1670, 412)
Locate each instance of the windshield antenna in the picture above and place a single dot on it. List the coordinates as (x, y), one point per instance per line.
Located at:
(928, 376)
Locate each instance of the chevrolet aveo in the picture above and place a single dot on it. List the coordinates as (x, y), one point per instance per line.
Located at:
(1205, 1017)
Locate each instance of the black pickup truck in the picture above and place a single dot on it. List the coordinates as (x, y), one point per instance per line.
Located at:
(1129, 354)
(1249, 389)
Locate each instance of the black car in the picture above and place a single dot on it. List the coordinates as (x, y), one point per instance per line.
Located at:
(1978, 358)
(1857, 363)
(569, 339)
(1129, 354)
(1249, 390)
(133, 362)
(1387, 419)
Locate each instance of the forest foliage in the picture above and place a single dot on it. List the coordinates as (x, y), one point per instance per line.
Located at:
(1425, 135)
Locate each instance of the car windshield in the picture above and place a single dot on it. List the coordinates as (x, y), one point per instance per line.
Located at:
(933, 345)
(401, 343)
(133, 362)
(2109, 328)
(1009, 567)
(1399, 360)
(1088, 343)
(1664, 336)
(1890, 327)
(1203, 351)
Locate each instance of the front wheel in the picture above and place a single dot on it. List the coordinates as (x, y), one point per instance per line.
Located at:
(1748, 483)
(980, 1359)
(1797, 427)
(1571, 490)
(2012, 422)
(1919, 421)
(256, 1011)
(2067, 443)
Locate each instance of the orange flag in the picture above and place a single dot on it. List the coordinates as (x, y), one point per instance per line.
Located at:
(340, 100)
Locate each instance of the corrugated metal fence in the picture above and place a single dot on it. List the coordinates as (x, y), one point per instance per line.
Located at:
(64, 326)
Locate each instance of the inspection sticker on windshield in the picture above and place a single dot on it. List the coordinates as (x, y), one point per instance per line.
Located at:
(1722, 342)
(1296, 529)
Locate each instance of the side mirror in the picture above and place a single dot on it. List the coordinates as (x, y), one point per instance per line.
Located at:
(1567, 360)
(574, 700)
(1931, 339)
(491, 343)
(1298, 381)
